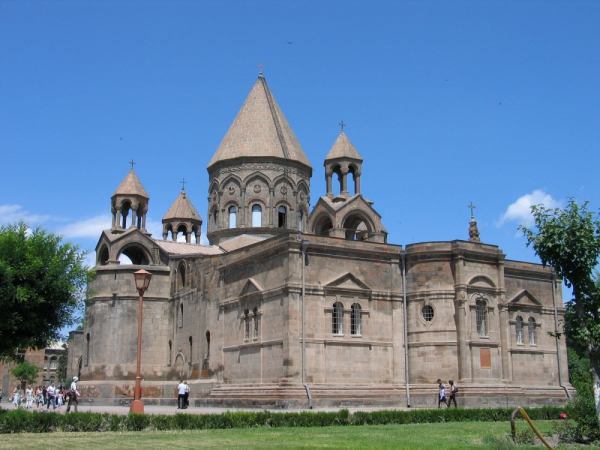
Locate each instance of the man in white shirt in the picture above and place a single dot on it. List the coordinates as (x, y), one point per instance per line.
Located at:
(181, 395)
(51, 396)
(72, 394)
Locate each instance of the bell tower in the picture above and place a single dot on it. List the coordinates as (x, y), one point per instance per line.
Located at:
(129, 204)
(343, 160)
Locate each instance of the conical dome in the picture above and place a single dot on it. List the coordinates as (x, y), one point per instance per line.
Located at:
(260, 130)
(131, 185)
(182, 208)
(343, 148)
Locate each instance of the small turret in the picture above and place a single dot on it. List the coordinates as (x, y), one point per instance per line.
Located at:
(129, 196)
(182, 217)
(343, 159)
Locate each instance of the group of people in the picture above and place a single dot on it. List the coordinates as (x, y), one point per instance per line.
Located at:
(442, 393)
(183, 395)
(46, 396)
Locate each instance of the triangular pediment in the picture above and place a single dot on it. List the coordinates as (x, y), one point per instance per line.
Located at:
(250, 287)
(524, 298)
(348, 282)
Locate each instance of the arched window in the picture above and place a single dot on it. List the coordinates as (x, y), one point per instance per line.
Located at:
(207, 344)
(255, 323)
(282, 213)
(256, 216)
(180, 315)
(428, 313)
(337, 319)
(531, 329)
(52, 379)
(169, 359)
(87, 350)
(216, 219)
(519, 329)
(232, 217)
(45, 363)
(246, 325)
(482, 317)
(300, 217)
(181, 279)
(355, 319)
(53, 363)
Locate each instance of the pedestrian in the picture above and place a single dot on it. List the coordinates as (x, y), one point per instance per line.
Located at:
(72, 394)
(28, 397)
(16, 397)
(44, 395)
(442, 395)
(187, 394)
(453, 391)
(181, 395)
(38, 396)
(0, 395)
(59, 396)
(51, 391)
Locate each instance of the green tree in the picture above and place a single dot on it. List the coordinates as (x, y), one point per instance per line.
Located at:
(63, 359)
(569, 240)
(26, 372)
(42, 283)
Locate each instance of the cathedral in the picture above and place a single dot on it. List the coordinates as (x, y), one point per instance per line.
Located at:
(293, 307)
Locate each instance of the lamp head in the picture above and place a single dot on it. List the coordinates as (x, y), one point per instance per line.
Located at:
(142, 280)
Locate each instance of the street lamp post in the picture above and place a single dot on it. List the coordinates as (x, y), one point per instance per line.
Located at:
(142, 281)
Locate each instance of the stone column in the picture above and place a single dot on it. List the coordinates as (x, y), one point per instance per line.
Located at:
(165, 233)
(133, 218)
(464, 363)
(328, 176)
(243, 210)
(144, 220)
(118, 218)
(188, 237)
(505, 343)
(357, 183)
(271, 207)
(344, 171)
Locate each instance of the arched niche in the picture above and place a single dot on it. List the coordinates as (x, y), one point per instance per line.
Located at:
(136, 254)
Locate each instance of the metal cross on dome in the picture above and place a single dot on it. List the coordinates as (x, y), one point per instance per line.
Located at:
(261, 67)
(183, 182)
(132, 162)
(472, 207)
(342, 124)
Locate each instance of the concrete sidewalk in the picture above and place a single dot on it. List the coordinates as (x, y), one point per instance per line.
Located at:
(159, 409)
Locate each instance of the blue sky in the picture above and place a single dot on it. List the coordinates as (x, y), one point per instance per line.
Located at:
(448, 102)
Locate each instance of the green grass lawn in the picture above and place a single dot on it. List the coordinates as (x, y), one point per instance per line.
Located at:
(455, 435)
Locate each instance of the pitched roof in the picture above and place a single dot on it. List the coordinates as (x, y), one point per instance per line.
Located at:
(240, 241)
(260, 130)
(182, 208)
(343, 148)
(183, 248)
(131, 185)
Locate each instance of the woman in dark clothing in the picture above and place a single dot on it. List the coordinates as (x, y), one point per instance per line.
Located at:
(452, 392)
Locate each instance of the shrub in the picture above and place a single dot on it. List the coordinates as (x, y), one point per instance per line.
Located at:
(137, 422)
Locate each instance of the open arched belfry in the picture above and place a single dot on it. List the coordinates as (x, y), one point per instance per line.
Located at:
(382, 321)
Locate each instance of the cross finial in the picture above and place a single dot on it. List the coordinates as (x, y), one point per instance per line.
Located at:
(342, 124)
(472, 207)
(183, 184)
(132, 162)
(261, 67)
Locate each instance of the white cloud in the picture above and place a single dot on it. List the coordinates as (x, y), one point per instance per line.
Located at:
(89, 228)
(14, 213)
(520, 211)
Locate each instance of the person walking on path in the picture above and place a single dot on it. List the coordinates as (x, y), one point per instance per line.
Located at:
(28, 397)
(442, 395)
(44, 395)
(187, 394)
(38, 396)
(51, 396)
(453, 391)
(72, 394)
(181, 395)
(16, 397)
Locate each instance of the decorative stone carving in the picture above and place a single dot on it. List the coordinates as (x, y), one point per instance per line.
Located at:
(263, 166)
(231, 190)
(257, 188)
(283, 190)
(301, 195)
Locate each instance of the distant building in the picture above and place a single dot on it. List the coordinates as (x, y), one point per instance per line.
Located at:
(46, 359)
(382, 322)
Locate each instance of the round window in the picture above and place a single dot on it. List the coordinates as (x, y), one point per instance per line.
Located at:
(427, 312)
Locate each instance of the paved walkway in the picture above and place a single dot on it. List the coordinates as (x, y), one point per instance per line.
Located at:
(155, 409)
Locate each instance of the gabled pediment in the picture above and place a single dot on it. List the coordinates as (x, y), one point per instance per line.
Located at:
(250, 287)
(347, 282)
(524, 298)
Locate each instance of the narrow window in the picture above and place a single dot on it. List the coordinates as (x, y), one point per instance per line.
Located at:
(216, 220)
(300, 217)
(531, 331)
(52, 379)
(427, 313)
(87, 350)
(181, 276)
(232, 217)
(482, 319)
(191, 349)
(52, 363)
(255, 323)
(282, 215)
(246, 325)
(519, 329)
(256, 216)
(337, 325)
(207, 344)
(355, 319)
(181, 315)
(46, 363)
(169, 359)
